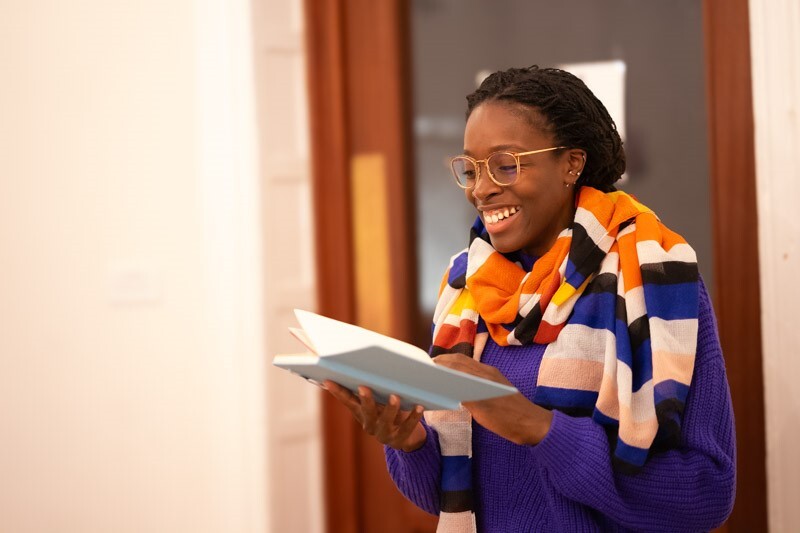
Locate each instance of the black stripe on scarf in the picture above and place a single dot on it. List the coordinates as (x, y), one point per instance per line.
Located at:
(456, 501)
(638, 331)
(584, 252)
(669, 413)
(460, 282)
(602, 283)
(670, 273)
(462, 347)
(527, 327)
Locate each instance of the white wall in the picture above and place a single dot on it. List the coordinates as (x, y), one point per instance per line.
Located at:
(775, 46)
(132, 394)
(295, 459)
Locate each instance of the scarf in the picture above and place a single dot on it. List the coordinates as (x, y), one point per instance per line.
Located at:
(616, 302)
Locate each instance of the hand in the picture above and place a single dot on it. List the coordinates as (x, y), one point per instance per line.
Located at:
(387, 423)
(513, 417)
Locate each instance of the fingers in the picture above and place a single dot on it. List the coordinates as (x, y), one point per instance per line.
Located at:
(462, 363)
(455, 361)
(385, 427)
(387, 423)
(368, 409)
(342, 394)
(363, 407)
(468, 365)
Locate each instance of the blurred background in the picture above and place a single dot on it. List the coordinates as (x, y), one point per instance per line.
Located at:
(176, 177)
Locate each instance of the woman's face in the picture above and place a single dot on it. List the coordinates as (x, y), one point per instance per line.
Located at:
(540, 200)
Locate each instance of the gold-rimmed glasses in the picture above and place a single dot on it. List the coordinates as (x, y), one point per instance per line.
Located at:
(502, 167)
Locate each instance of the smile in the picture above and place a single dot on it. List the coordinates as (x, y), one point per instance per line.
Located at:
(496, 215)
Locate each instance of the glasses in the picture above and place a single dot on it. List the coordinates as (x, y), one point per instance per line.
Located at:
(502, 167)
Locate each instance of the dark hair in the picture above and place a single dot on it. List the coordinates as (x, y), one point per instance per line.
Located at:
(573, 114)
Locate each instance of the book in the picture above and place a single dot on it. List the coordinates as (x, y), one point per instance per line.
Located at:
(353, 356)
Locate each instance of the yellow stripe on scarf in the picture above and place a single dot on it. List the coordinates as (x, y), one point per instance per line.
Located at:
(567, 291)
(464, 301)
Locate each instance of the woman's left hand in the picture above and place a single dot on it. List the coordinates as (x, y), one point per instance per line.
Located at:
(513, 417)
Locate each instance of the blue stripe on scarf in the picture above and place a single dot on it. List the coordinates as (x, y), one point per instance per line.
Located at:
(572, 275)
(642, 368)
(458, 270)
(592, 310)
(669, 389)
(630, 454)
(604, 420)
(565, 398)
(456, 472)
(671, 302)
(623, 342)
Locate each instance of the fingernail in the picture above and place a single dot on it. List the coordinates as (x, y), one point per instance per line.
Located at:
(418, 409)
(362, 391)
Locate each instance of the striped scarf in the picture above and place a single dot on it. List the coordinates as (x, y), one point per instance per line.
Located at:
(616, 302)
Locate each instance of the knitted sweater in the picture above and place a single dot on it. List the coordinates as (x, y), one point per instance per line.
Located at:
(566, 482)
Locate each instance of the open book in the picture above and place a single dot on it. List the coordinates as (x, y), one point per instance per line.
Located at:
(353, 356)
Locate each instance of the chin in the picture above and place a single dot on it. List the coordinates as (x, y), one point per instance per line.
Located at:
(503, 246)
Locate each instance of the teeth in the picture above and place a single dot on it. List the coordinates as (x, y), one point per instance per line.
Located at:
(495, 217)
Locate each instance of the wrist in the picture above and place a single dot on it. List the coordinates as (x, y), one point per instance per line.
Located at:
(537, 429)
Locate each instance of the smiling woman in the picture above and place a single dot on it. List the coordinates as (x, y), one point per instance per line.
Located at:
(580, 297)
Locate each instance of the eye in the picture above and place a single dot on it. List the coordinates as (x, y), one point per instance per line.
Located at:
(507, 169)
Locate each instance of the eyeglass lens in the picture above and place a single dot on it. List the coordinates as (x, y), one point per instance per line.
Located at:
(502, 166)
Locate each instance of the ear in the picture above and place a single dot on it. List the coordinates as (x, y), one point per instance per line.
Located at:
(575, 162)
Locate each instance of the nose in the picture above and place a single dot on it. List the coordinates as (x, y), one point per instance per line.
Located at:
(484, 186)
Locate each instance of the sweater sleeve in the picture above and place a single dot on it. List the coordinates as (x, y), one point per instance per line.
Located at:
(417, 473)
(691, 488)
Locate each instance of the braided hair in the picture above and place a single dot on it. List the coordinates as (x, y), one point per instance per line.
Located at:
(571, 113)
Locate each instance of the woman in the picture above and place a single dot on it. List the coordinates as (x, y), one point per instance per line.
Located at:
(583, 300)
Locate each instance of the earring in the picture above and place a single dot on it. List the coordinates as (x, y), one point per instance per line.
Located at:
(566, 185)
(572, 173)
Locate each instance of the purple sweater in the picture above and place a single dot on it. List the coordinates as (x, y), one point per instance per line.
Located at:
(566, 482)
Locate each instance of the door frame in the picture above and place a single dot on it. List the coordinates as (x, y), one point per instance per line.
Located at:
(737, 294)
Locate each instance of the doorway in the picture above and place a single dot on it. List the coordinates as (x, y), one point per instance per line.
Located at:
(678, 57)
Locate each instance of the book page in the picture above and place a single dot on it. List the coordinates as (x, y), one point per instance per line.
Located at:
(300, 335)
(331, 336)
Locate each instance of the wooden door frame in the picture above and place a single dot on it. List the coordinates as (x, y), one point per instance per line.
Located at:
(325, 66)
(341, 127)
(737, 297)
(359, 89)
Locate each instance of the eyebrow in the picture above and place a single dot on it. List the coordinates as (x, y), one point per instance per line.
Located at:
(499, 148)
